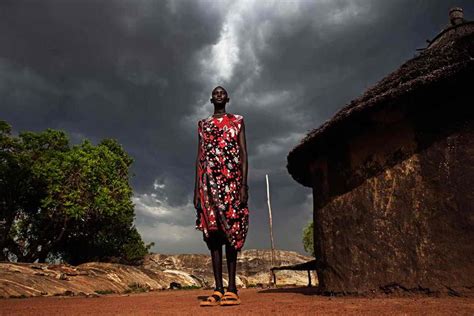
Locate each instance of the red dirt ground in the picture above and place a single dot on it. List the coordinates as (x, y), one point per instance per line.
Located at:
(281, 301)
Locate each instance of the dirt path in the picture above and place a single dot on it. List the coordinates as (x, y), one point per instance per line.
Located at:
(289, 301)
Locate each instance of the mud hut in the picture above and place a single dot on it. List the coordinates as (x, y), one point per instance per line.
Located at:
(392, 175)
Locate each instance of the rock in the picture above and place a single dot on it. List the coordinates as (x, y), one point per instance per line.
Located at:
(175, 285)
(158, 272)
(253, 266)
(62, 276)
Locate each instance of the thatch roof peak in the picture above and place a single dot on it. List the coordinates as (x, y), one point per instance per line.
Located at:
(447, 54)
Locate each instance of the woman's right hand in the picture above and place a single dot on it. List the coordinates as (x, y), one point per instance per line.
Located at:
(197, 204)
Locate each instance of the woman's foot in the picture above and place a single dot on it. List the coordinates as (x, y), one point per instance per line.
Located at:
(214, 299)
(230, 298)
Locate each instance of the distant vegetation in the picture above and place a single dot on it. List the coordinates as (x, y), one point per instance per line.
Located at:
(63, 202)
(308, 232)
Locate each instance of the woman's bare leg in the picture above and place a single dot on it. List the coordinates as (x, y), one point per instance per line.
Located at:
(216, 255)
(231, 256)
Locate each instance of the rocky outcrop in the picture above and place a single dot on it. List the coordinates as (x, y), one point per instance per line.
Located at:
(158, 272)
(253, 267)
(25, 280)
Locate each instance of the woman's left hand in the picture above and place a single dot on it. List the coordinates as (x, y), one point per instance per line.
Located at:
(244, 195)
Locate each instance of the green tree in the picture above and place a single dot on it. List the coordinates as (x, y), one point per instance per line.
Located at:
(20, 193)
(308, 233)
(62, 201)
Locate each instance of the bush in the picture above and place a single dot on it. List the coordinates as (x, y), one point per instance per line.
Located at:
(62, 201)
(308, 233)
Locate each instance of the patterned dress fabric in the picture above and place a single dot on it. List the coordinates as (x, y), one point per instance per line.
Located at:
(220, 180)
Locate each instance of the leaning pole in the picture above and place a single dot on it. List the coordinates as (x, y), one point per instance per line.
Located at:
(272, 276)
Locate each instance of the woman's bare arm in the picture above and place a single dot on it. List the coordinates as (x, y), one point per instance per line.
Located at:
(196, 179)
(243, 157)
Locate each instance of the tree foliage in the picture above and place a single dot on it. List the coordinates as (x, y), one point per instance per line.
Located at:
(308, 233)
(63, 201)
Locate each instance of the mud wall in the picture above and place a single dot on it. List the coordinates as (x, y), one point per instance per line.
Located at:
(394, 208)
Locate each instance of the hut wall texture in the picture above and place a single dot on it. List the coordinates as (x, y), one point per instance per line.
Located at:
(410, 225)
(393, 176)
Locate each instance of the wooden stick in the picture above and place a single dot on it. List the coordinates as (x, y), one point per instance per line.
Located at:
(270, 221)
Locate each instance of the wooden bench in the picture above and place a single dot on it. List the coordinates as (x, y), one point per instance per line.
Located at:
(310, 265)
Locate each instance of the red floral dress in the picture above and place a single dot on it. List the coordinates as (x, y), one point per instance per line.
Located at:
(220, 179)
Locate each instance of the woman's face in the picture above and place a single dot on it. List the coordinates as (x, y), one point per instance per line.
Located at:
(219, 96)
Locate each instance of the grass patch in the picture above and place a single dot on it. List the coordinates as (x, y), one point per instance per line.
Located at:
(103, 292)
(259, 285)
(190, 287)
(137, 288)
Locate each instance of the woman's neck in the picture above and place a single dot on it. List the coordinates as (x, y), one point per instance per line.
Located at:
(219, 112)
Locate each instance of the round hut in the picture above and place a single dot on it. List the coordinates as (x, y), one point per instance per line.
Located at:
(392, 175)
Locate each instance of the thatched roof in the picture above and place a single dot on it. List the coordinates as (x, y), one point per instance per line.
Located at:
(449, 53)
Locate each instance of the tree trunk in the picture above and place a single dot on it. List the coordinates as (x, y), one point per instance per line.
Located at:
(5, 232)
(42, 254)
(42, 258)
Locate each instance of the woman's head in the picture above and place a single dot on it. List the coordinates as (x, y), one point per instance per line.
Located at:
(219, 96)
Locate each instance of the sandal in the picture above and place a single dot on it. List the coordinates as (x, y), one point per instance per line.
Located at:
(230, 298)
(212, 300)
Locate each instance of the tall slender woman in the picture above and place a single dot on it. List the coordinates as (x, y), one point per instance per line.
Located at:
(221, 192)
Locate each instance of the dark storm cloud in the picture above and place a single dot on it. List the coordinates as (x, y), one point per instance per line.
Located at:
(105, 69)
(312, 62)
(142, 72)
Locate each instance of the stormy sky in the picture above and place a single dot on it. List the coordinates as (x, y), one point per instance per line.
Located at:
(141, 71)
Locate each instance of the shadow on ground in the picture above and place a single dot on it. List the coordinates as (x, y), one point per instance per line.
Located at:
(305, 290)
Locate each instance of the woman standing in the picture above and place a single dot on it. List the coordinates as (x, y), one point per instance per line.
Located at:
(221, 192)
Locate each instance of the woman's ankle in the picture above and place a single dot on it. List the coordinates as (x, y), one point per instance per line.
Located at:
(219, 289)
(232, 289)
